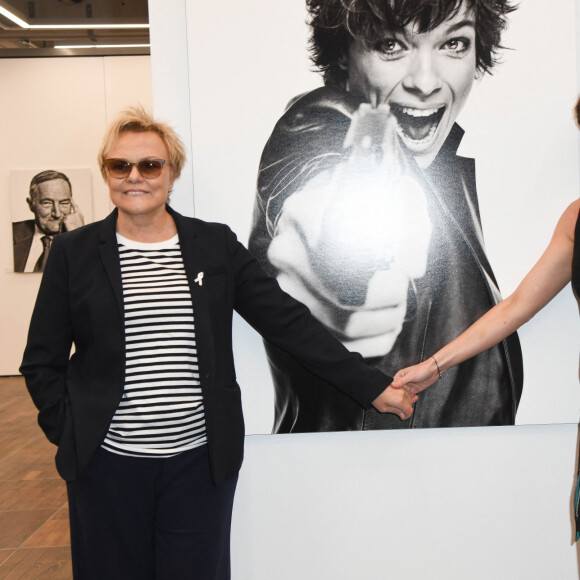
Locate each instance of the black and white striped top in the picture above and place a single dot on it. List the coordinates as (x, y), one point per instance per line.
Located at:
(161, 413)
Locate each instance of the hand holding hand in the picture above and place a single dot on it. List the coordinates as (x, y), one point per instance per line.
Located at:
(418, 377)
(399, 402)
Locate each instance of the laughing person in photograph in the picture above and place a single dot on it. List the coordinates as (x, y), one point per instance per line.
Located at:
(146, 413)
(366, 214)
(50, 200)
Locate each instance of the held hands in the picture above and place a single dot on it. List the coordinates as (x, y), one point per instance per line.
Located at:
(418, 377)
(397, 401)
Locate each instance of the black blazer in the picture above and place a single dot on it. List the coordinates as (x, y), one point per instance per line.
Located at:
(80, 303)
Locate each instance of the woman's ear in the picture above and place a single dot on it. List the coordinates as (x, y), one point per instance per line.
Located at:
(343, 61)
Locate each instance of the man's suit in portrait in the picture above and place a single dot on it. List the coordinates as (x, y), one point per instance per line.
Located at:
(22, 235)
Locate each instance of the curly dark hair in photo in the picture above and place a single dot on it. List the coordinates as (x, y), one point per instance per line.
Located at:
(335, 23)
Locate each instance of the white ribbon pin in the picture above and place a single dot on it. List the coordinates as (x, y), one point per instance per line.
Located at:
(199, 279)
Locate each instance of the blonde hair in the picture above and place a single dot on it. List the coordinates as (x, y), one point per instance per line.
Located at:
(138, 120)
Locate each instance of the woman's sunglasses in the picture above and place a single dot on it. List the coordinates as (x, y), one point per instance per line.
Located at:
(148, 168)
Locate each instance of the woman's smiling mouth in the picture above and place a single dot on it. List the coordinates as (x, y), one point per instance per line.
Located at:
(417, 125)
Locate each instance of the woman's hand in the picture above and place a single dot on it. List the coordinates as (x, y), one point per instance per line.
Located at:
(398, 402)
(418, 377)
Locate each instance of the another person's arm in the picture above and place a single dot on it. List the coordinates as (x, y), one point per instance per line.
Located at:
(549, 275)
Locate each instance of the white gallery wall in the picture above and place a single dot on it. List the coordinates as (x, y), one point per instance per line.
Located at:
(54, 112)
(478, 503)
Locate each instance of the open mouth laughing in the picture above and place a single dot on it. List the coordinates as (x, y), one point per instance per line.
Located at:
(417, 125)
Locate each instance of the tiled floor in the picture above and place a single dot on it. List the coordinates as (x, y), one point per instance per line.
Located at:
(34, 537)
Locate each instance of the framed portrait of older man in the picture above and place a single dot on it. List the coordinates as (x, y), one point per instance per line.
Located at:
(45, 203)
(398, 167)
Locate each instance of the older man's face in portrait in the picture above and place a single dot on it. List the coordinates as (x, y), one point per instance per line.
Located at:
(424, 78)
(50, 203)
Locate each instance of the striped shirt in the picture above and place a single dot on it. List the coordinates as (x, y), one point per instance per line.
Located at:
(161, 412)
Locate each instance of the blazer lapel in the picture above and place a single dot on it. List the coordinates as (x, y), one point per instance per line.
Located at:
(195, 261)
(456, 196)
(109, 253)
(22, 236)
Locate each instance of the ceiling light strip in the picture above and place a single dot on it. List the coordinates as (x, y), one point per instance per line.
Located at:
(69, 46)
(7, 14)
(13, 17)
(83, 26)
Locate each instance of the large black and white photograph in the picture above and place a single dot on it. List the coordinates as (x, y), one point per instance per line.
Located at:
(398, 170)
(44, 204)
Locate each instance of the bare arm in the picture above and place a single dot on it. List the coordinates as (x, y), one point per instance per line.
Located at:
(549, 275)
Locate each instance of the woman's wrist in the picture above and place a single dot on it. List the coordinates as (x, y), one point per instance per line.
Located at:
(437, 367)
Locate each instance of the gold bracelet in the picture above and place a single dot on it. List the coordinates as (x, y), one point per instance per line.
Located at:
(438, 370)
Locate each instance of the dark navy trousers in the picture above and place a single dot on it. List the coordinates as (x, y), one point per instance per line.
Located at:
(137, 518)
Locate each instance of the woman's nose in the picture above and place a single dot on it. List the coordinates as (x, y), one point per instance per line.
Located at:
(422, 77)
(134, 174)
